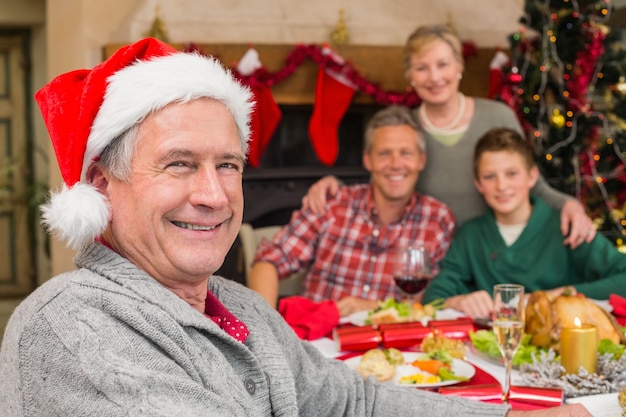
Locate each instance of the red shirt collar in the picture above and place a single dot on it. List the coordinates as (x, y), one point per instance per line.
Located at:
(216, 311)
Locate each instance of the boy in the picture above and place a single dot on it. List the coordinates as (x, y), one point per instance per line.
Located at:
(518, 240)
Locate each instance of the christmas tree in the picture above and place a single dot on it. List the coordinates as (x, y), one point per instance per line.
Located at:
(566, 82)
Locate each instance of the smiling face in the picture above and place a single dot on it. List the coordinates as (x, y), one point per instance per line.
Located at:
(505, 179)
(180, 211)
(433, 72)
(394, 161)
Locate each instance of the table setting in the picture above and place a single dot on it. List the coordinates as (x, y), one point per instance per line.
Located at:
(483, 376)
(534, 351)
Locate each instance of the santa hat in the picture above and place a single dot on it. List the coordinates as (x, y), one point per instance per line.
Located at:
(85, 110)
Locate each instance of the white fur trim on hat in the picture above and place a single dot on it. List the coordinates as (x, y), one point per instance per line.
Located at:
(76, 215)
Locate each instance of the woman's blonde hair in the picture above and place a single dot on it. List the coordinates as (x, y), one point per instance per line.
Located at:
(426, 35)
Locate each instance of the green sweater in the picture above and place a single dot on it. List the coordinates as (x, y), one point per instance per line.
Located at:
(478, 259)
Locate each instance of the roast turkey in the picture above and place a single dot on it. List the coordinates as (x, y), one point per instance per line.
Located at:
(545, 317)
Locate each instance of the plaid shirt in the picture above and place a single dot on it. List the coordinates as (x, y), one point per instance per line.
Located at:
(348, 252)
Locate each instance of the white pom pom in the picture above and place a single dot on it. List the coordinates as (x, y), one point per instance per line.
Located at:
(76, 215)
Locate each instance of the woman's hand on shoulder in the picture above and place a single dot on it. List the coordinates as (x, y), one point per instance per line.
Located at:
(576, 226)
(317, 195)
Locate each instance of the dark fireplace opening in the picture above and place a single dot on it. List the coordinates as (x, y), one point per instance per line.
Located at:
(289, 166)
(291, 146)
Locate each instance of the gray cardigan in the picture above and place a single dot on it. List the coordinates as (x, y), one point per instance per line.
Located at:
(109, 340)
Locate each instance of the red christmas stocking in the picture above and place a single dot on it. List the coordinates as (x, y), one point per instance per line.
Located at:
(332, 99)
(263, 123)
(496, 81)
(266, 114)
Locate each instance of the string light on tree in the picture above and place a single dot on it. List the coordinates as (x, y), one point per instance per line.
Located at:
(557, 119)
(566, 82)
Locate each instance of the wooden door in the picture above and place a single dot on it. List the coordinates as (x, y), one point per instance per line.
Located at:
(17, 269)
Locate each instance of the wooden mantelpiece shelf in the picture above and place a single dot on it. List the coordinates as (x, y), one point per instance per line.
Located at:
(382, 65)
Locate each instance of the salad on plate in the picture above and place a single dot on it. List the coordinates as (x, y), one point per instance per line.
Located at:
(393, 311)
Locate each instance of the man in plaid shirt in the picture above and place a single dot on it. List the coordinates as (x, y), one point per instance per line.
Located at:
(348, 249)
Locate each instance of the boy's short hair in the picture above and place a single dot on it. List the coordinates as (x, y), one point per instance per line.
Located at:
(503, 139)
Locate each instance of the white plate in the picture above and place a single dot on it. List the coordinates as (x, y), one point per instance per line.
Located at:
(358, 318)
(602, 405)
(459, 367)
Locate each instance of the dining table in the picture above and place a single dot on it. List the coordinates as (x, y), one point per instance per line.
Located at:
(489, 369)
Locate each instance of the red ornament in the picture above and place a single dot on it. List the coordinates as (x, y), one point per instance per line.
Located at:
(515, 78)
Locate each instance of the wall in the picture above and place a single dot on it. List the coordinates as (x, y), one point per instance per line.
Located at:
(370, 22)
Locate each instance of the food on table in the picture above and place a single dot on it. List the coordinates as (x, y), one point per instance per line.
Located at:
(374, 362)
(446, 374)
(423, 310)
(616, 350)
(545, 317)
(436, 341)
(392, 311)
(420, 378)
(484, 341)
(387, 315)
(430, 368)
(394, 356)
(435, 367)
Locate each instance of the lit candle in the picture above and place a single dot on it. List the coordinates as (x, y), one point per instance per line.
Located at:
(579, 347)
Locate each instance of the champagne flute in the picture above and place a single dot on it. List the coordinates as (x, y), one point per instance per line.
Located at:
(411, 271)
(508, 326)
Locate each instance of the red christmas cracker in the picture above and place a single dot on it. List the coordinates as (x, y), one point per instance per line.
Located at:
(399, 335)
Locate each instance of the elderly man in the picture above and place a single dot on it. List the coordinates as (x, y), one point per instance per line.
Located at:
(151, 145)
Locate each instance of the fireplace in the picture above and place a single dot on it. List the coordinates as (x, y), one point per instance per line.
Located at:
(289, 167)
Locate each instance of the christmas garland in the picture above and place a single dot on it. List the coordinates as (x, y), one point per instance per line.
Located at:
(300, 53)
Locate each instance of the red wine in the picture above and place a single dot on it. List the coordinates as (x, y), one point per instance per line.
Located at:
(412, 284)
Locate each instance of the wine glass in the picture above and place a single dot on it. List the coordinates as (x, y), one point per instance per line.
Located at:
(508, 326)
(411, 271)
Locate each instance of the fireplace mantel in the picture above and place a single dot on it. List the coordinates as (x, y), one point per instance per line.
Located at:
(381, 65)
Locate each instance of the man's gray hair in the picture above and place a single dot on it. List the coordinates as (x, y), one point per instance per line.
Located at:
(392, 116)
